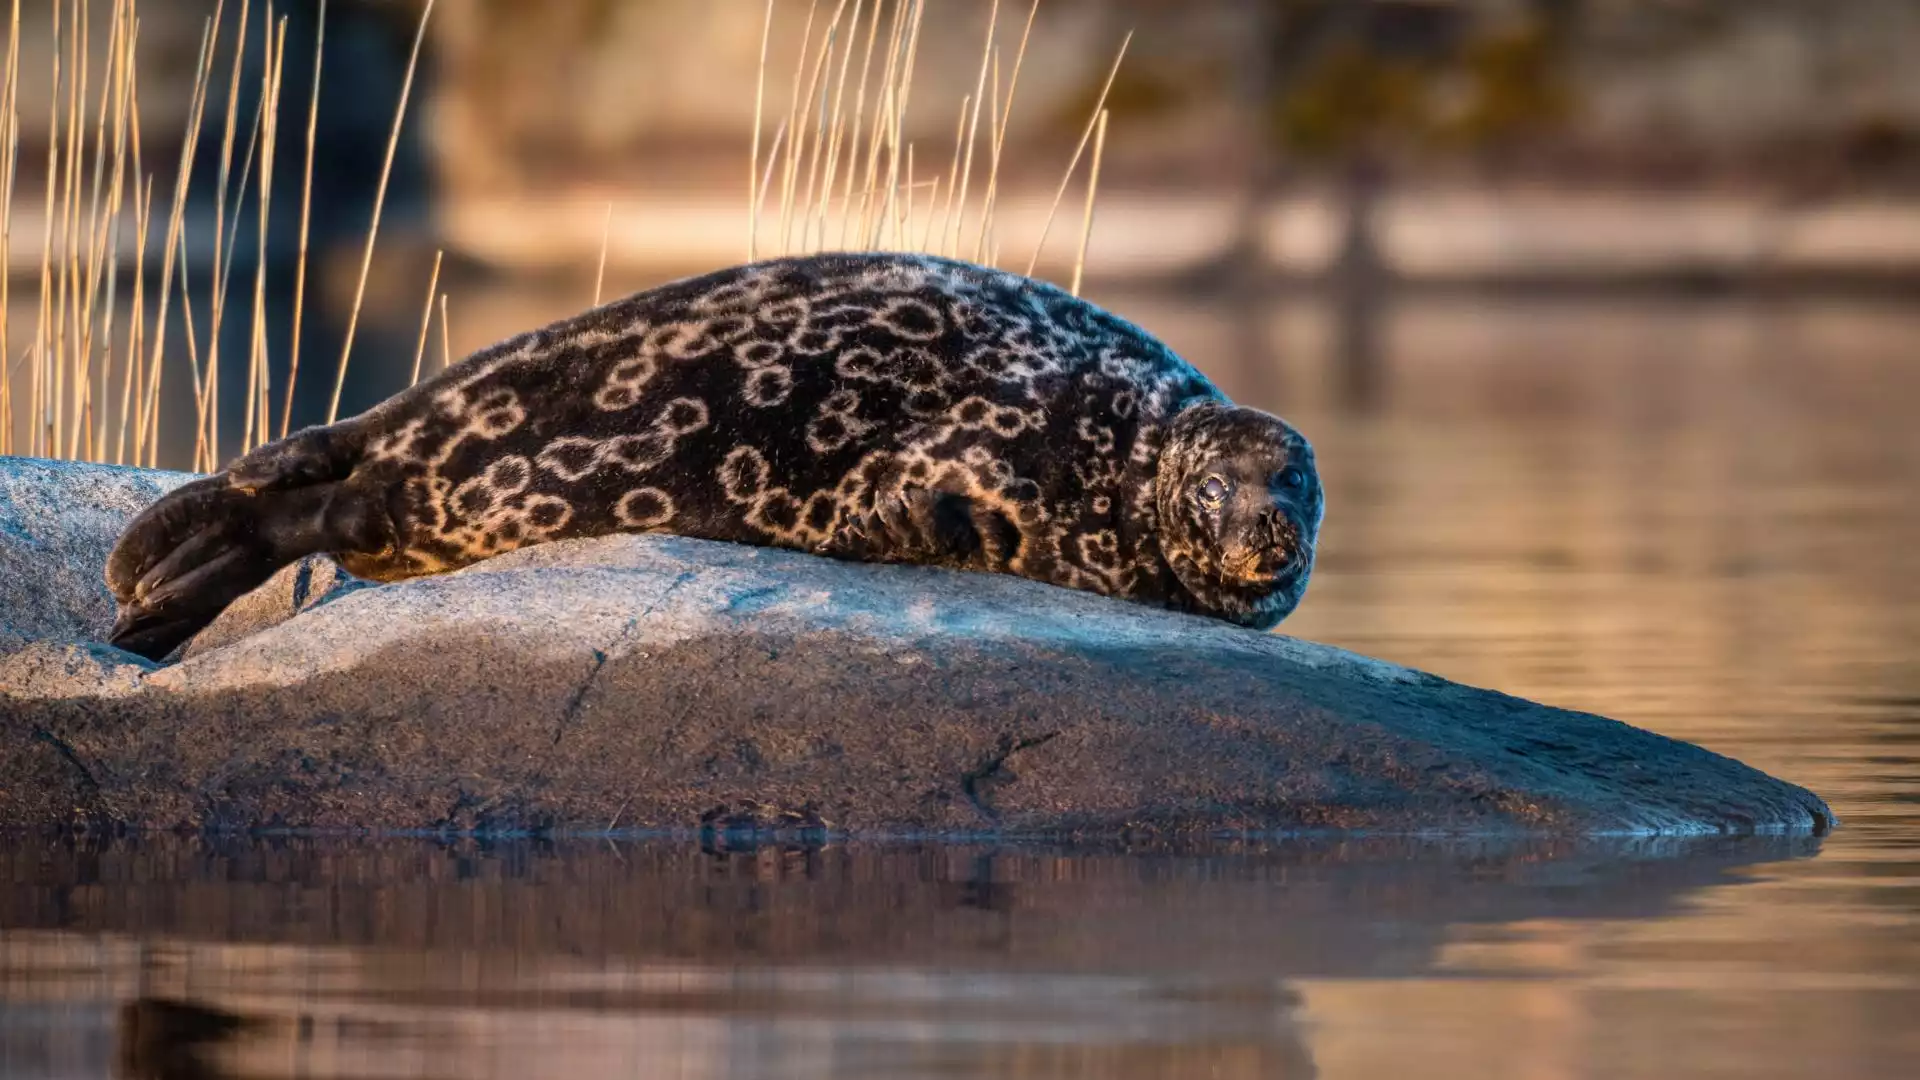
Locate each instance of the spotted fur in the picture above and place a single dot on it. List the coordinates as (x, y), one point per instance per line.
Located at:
(876, 407)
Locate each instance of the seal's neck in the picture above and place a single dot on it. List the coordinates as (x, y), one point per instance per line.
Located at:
(1185, 552)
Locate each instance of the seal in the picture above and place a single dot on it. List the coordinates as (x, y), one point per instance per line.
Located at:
(875, 407)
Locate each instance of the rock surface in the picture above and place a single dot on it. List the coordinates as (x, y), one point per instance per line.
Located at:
(57, 523)
(661, 682)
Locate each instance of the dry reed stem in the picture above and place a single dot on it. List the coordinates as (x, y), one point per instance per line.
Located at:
(993, 136)
(207, 443)
(259, 370)
(53, 302)
(143, 221)
(306, 213)
(101, 230)
(129, 405)
(379, 202)
(41, 374)
(773, 156)
(9, 162)
(953, 170)
(753, 163)
(1093, 186)
(39, 425)
(75, 250)
(794, 99)
(210, 42)
(906, 93)
(973, 126)
(1098, 108)
(933, 195)
(186, 315)
(86, 260)
(599, 276)
(10, 372)
(106, 249)
(814, 236)
(805, 150)
(426, 319)
(868, 201)
(859, 120)
(1001, 114)
(446, 349)
(879, 127)
(176, 218)
(257, 137)
(127, 142)
(899, 118)
(813, 151)
(1005, 112)
(880, 130)
(68, 302)
(224, 278)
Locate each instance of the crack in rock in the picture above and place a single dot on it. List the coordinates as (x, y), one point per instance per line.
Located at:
(976, 782)
(600, 656)
(66, 750)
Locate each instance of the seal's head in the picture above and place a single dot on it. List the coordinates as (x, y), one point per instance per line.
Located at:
(1239, 506)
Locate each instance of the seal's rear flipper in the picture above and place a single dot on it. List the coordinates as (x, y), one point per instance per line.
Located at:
(204, 545)
(315, 455)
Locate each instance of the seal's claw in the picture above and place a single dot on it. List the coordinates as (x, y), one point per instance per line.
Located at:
(176, 562)
(183, 560)
(178, 609)
(145, 634)
(159, 530)
(181, 605)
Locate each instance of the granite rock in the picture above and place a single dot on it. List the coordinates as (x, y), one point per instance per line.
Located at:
(641, 682)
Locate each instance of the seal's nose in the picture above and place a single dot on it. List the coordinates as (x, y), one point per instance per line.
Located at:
(1279, 529)
(1277, 543)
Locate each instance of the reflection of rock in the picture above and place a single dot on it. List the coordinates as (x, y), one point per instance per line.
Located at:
(1299, 908)
(161, 1039)
(645, 681)
(535, 958)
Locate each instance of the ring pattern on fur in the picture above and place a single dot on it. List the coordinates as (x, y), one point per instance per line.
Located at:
(870, 406)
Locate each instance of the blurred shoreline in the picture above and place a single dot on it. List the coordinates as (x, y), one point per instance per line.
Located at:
(1517, 239)
(1442, 237)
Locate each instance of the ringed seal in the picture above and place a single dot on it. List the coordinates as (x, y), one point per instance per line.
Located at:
(876, 407)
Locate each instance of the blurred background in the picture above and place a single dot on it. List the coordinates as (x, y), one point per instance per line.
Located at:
(1355, 150)
(1601, 313)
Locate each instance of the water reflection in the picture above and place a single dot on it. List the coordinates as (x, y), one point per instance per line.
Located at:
(415, 958)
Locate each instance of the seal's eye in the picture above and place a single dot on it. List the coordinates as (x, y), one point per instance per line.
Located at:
(1293, 478)
(1213, 492)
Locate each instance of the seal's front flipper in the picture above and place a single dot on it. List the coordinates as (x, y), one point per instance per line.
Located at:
(204, 545)
(918, 524)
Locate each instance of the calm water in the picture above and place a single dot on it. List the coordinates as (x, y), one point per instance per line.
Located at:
(1700, 518)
